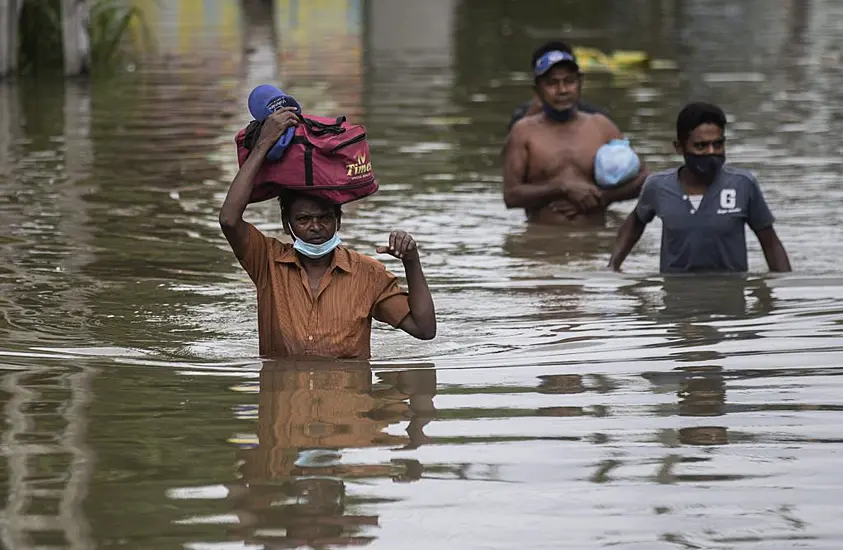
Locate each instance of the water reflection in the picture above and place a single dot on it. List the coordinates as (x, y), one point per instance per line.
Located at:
(695, 412)
(568, 249)
(295, 488)
(702, 393)
(48, 463)
(562, 384)
(701, 314)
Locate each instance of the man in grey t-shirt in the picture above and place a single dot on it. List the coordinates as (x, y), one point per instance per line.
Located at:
(704, 205)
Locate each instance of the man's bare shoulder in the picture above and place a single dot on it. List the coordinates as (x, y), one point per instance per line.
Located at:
(527, 128)
(520, 127)
(599, 120)
(519, 135)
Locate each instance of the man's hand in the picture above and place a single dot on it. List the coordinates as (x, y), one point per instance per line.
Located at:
(421, 321)
(276, 124)
(582, 193)
(566, 208)
(402, 246)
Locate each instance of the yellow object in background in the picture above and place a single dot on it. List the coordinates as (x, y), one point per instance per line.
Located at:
(593, 60)
(209, 28)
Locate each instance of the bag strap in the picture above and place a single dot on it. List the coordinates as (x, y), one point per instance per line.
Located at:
(308, 158)
(253, 132)
(319, 128)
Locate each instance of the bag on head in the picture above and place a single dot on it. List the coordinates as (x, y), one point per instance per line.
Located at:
(327, 158)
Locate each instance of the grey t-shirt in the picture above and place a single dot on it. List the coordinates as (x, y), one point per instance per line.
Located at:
(711, 237)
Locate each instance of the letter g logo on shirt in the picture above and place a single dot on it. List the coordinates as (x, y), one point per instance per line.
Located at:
(728, 199)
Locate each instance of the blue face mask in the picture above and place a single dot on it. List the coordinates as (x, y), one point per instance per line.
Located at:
(559, 116)
(316, 250)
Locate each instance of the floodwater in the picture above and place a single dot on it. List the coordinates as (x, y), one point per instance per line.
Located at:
(560, 406)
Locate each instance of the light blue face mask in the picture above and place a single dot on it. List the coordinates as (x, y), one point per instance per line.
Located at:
(316, 250)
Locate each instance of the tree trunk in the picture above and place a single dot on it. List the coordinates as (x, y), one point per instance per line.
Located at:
(77, 44)
(9, 12)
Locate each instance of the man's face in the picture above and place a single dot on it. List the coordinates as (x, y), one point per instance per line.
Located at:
(312, 221)
(706, 139)
(560, 86)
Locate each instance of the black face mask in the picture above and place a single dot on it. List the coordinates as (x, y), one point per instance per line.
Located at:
(705, 167)
(557, 115)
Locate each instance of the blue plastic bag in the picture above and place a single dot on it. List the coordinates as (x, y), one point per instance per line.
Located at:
(615, 163)
(265, 100)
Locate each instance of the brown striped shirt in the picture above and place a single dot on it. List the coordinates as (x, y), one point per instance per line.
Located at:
(337, 322)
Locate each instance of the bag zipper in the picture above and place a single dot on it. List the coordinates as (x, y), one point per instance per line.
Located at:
(352, 141)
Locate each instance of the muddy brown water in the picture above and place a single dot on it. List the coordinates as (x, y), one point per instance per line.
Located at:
(561, 406)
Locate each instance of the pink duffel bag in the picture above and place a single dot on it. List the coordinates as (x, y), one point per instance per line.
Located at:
(327, 158)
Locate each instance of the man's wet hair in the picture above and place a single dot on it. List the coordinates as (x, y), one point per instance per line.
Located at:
(553, 45)
(287, 198)
(694, 115)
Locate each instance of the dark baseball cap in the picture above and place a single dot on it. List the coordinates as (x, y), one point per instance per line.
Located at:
(551, 58)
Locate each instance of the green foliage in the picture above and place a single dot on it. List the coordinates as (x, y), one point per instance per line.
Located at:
(109, 26)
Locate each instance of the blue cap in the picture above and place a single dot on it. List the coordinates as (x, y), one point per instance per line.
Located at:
(266, 99)
(550, 59)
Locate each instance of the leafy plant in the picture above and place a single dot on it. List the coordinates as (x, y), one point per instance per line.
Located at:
(109, 24)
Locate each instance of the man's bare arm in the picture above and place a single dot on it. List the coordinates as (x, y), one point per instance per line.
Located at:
(628, 235)
(517, 193)
(774, 251)
(628, 190)
(421, 321)
(235, 229)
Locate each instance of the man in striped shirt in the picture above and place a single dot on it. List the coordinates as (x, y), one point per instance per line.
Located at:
(316, 297)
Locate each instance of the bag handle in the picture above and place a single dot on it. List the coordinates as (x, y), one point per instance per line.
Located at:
(320, 128)
(317, 128)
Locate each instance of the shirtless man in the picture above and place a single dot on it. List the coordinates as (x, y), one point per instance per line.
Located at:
(549, 156)
(534, 105)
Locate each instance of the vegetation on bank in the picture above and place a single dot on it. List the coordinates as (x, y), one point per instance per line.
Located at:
(109, 26)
